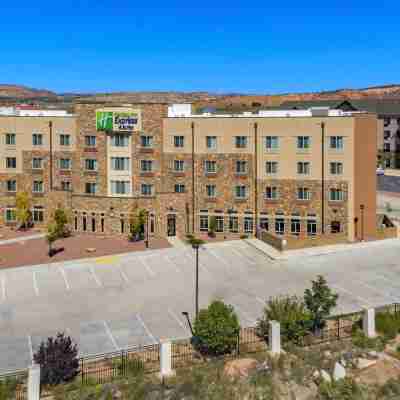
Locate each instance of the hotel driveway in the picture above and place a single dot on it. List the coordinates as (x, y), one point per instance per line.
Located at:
(114, 302)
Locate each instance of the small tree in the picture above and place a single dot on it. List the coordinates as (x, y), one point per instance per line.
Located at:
(58, 359)
(61, 221)
(137, 220)
(216, 329)
(212, 227)
(23, 213)
(290, 312)
(319, 300)
(51, 236)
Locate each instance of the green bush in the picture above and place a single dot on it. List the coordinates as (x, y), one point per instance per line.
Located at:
(363, 342)
(390, 390)
(344, 389)
(7, 388)
(388, 324)
(216, 329)
(290, 312)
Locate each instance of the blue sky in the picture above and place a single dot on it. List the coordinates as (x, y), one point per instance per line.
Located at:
(219, 46)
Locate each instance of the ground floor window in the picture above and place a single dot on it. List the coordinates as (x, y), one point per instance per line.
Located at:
(102, 224)
(219, 223)
(38, 214)
(84, 227)
(93, 224)
(152, 223)
(122, 226)
(76, 223)
(11, 215)
(295, 226)
(279, 226)
(204, 223)
(233, 224)
(264, 223)
(311, 227)
(335, 227)
(248, 224)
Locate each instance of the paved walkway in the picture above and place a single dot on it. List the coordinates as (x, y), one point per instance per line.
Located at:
(114, 302)
(22, 238)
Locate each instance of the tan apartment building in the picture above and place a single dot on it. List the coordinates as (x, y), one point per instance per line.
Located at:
(293, 173)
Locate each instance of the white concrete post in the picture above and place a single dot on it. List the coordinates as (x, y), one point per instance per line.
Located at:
(369, 322)
(166, 359)
(274, 337)
(34, 382)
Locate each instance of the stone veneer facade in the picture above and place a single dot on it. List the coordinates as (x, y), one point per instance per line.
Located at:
(106, 214)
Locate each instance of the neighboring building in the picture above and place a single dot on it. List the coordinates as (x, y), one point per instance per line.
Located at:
(247, 171)
(388, 112)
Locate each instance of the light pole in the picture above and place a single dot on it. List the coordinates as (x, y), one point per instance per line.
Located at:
(196, 249)
(362, 221)
(147, 230)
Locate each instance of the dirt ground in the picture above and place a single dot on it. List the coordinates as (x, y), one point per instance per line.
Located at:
(35, 251)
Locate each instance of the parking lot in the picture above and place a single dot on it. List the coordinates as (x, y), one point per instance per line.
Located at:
(115, 302)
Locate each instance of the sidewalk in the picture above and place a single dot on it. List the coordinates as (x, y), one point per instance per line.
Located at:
(22, 238)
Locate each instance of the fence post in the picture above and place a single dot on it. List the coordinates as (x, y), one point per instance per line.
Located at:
(34, 382)
(274, 337)
(166, 359)
(369, 322)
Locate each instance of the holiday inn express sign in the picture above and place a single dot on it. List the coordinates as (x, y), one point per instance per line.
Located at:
(116, 120)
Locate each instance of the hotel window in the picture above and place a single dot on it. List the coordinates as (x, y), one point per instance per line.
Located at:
(66, 186)
(336, 142)
(120, 187)
(271, 167)
(211, 190)
(120, 163)
(387, 163)
(204, 223)
(119, 140)
(386, 147)
(303, 194)
(303, 142)
(271, 143)
(179, 188)
(336, 195)
(10, 139)
(146, 165)
(146, 141)
(90, 141)
(11, 162)
(233, 224)
(11, 185)
(38, 214)
(179, 141)
(303, 168)
(240, 192)
(65, 140)
(386, 135)
(386, 121)
(219, 223)
(241, 167)
(264, 223)
(179, 165)
(241, 142)
(37, 163)
(11, 215)
(65, 163)
(37, 139)
(311, 225)
(279, 225)
(295, 225)
(37, 187)
(271, 193)
(146, 189)
(90, 188)
(336, 168)
(91, 164)
(211, 142)
(210, 166)
(248, 224)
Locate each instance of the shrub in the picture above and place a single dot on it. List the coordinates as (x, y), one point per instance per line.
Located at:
(319, 300)
(23, 213)
(8, 388)
(58, 360)
(61, 223)
(344, 389)
(212, 227)
(216, 329)
(290, 312)
(390, 390)
(363, 342)
(388, 324)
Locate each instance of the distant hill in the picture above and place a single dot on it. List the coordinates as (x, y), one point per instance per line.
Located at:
(228, 102)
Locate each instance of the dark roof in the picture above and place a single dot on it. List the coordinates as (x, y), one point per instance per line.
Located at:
(379, 106)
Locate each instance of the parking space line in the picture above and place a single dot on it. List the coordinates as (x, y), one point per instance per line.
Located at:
(367, 302)
(147, 266)
(108, 331)
(35, 285)
(30, 346)
(260, 300)
(390, 298)
(95, 277)
(139, 318)
(218, 257)
(64, 275)
(175, 317)
(172, 263)
(3, 288)
(247, 258)
(124, 277)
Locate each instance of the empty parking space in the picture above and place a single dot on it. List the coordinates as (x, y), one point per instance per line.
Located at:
(81, 278)
(19, 285)
(49, 281)
(15, 352)
(109, 276)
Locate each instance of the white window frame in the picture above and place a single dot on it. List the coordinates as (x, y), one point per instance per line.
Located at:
(240, 163)
(179, 165)
(271, 143)
(67, 161)
(334, 142)
(13, 212)
(14, 139)
(271, 193)
(9, 159)
(203, 223)
(64, 136)
(36, 184)
(214, 194)
(295, 222)
(146, 165)
(146, 141)
(233, 224)
(88, 161)
(303, 194)
(144, 192)
(241, 142)
(248, 224)
(271, 167)
(207, 164)
(120, 187)
(40, 162)
(91, 185)
(238, 192)
(179, 141)
(178, 187)
(89, 139)
(211, 142)
(336, 194)
(336, 168)
(15, 185)
(303, 142)
(303, 168)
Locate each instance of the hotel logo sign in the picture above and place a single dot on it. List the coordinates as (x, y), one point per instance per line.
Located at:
(117, 120)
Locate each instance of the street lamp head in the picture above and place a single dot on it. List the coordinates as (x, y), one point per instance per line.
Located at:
(362, 206)
(185, 313)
